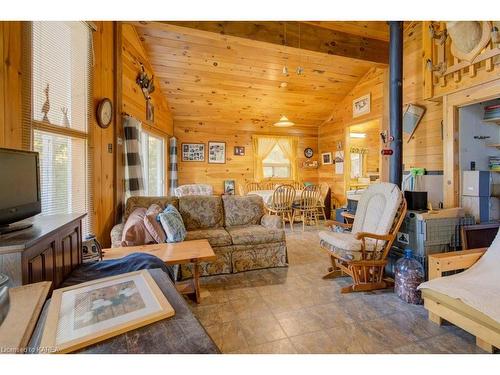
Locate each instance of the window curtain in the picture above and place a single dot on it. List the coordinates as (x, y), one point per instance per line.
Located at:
(263, 145)
(289, 147)
(173, 166)
(134, 181)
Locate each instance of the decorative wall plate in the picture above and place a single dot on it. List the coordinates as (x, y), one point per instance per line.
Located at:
(308, 152)
(468, 38)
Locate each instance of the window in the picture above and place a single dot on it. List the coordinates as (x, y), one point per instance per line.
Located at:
(276, 165)
(56, 113)
(153, 161)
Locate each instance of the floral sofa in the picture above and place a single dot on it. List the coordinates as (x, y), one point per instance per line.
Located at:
(242, 236)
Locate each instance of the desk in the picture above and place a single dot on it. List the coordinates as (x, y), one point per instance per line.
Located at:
(173, 253)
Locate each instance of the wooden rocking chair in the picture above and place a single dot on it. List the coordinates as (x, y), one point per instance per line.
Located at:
(362, 253)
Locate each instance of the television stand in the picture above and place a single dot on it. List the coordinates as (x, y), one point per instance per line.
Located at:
(14, 227)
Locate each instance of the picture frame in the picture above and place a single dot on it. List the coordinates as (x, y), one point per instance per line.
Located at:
(229, 187)
(239, 151)
(193, 152)
(216, 152)
(326, 158)
(87, 313)
(361, 105)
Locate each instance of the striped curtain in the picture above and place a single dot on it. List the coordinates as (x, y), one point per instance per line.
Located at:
(173, 166)
(134, 183)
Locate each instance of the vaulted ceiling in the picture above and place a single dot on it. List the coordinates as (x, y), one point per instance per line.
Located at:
(232, 72)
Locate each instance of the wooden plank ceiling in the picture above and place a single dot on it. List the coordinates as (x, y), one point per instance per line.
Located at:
(213, 77)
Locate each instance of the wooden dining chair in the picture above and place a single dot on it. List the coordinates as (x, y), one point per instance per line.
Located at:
(282, 202)
(298, 185)
(268, 185)
(307, 207)
(321, 202)
(252, 186)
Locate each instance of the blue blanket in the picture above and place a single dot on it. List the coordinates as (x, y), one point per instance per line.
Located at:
(130, 263)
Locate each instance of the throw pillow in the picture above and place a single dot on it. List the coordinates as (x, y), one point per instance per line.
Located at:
(171, 221)
(153, 225)
(134, 231)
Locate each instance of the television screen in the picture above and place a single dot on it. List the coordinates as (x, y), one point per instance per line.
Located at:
(19, 185)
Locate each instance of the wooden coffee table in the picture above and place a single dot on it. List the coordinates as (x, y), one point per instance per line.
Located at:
(173, 253)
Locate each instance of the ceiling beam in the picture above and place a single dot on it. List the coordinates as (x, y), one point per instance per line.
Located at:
(312, 37)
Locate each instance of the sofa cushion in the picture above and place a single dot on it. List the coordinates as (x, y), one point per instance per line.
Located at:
(201, 212)
(216, 237)
(151, 220)
(172, 223)
(134, 230)
(255, 234)
(145, 202)
(246, 210)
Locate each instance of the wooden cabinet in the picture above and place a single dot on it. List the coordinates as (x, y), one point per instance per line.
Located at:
(48, 251)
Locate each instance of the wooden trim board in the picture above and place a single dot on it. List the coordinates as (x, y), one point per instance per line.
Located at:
(26, 303)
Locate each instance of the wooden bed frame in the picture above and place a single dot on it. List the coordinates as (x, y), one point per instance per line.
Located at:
(487, 338)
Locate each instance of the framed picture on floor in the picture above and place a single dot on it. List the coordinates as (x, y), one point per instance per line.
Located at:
(84, 314)
(217, 152)
(229, 187)
(193, 152)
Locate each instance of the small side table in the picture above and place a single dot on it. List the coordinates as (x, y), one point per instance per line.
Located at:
(195, 251)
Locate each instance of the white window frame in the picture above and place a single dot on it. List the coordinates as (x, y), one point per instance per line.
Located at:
(145, 161)
(277, 165)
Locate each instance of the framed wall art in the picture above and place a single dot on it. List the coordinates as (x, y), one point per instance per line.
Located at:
(217, 152)
(239, 151)
(326, 158)
(84, 314)
(193, 152)
(361, 105)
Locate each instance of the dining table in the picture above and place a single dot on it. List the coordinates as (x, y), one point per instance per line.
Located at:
(267, 195)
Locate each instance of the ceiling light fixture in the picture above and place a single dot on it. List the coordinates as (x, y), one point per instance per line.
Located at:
(284, 122)
(357, 135)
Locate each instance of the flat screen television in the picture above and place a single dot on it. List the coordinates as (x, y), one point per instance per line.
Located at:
(19, 188)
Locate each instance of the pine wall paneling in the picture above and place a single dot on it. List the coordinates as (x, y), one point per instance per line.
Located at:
(102, 163)
(11, 84)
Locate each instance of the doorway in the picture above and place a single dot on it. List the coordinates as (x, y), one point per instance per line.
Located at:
(362, 155)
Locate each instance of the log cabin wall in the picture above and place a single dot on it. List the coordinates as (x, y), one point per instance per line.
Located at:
(10, 84)
(130, 55)
(333, 132)
(102, 163)
(425, 149)
(238, 168)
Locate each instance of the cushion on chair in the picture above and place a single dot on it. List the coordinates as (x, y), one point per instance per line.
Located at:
(193, 189)
(377, 208)
(216, 237)
(134, 231)
(153, 225)
(255, 234)
(346, 246)
(246, 210)
(201, 212)
(172, 224)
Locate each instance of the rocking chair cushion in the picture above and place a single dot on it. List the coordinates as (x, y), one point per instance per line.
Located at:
(345, 245)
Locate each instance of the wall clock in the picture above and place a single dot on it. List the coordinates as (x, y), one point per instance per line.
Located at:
(308, 152)
(104, 113)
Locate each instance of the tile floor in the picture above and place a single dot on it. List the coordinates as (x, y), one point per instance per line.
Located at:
(293, 310)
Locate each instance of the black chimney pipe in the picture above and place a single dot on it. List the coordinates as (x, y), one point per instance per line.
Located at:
(396, 100)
